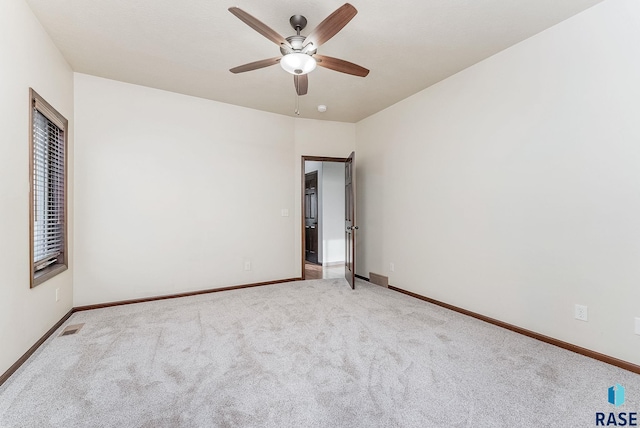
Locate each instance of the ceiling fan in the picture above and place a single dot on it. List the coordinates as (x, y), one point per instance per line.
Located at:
(299, 53)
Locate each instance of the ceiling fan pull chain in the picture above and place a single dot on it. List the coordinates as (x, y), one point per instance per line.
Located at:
(297, 110)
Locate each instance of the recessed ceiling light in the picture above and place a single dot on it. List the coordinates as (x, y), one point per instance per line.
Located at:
(322, 108)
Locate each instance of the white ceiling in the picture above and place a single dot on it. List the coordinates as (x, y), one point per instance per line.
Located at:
(188, 46)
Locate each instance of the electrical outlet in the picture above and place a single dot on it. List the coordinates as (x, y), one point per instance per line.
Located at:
(581, 313)
(247, 265)
(392, 267)
(284, 212)
(637, 329)
(57, 294)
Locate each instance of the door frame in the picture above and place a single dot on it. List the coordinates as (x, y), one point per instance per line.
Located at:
(302, 231)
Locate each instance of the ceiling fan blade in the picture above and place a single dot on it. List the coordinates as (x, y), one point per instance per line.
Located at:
(256, 65)
(340, 65)
(301, 83)
(259, 26)
(331, 25)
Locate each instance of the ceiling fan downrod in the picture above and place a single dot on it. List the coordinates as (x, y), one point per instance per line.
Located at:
(298, 22)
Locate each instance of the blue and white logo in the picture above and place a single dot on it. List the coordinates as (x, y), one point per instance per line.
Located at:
(616, 395)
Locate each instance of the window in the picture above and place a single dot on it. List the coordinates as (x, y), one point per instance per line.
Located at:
(48, 202)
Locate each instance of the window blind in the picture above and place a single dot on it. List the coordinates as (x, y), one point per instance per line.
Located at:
(48, 189)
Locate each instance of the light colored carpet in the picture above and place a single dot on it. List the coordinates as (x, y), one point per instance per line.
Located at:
(303, 354)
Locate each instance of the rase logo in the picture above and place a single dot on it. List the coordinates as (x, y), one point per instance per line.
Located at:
(615, 396)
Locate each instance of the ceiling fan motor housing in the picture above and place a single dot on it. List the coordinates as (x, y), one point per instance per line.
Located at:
(296, 42)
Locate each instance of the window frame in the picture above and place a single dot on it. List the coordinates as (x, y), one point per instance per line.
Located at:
(62, 262)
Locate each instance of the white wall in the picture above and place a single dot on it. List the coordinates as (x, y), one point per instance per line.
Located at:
(175, 193)
(333, 212)
(29, 59)
(512, 189)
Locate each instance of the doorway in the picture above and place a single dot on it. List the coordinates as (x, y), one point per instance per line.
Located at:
(311, 218)
(323, 208)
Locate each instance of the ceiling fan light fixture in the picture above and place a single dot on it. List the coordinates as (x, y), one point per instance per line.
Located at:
(298, 63)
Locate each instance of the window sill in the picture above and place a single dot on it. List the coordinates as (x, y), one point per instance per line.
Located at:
(47, 273)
